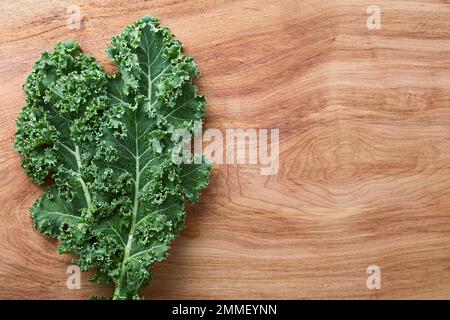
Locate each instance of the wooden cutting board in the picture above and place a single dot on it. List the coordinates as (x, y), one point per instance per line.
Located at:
(364, 175)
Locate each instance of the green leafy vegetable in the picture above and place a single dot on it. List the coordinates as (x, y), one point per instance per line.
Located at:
(116, 198)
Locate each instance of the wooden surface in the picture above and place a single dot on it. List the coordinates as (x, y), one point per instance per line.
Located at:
(364, 119)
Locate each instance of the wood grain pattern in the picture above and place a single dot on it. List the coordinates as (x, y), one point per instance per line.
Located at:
(364, 119)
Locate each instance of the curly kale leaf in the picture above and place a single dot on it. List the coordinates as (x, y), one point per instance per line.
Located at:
(117, 198)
